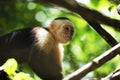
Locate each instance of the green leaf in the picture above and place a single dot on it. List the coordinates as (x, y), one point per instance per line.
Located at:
(22, 76)
(95, 2)
(10, 66)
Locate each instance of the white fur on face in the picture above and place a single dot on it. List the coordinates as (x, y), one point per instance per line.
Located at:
(64, 30)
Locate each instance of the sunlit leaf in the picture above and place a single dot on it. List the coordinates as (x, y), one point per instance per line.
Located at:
(95, 2)
(10, 66)
(22, 76)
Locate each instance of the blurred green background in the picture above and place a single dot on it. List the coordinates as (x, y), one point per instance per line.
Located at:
(86, 43)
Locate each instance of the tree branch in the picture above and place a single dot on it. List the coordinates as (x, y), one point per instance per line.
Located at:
(97, 62)
(102, 32)
(90, 14)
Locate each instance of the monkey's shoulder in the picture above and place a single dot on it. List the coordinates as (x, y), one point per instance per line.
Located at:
(43, 38)
(42, 34)
(39, 30)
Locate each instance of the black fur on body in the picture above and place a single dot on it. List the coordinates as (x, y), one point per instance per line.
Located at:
(22, 45)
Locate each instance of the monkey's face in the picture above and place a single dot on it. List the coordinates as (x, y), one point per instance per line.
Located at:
(64, 31)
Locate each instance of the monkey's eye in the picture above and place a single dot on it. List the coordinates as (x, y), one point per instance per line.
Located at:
(66, 28)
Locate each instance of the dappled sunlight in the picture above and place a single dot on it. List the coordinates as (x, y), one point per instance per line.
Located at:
(40, 16)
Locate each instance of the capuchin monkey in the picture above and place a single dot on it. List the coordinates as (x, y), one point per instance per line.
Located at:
(41, 48)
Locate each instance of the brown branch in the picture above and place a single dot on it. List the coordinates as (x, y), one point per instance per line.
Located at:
(102, 32)
(90, 14)
(97, 62)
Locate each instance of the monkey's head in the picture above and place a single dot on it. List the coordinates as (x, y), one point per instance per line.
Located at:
(62, 29)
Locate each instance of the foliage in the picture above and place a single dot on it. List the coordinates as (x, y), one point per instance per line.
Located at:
(86, 43)
(11, 68)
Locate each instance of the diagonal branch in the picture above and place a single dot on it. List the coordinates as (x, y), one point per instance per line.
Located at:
(90, 14)
(97, 62)
(102, 32)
